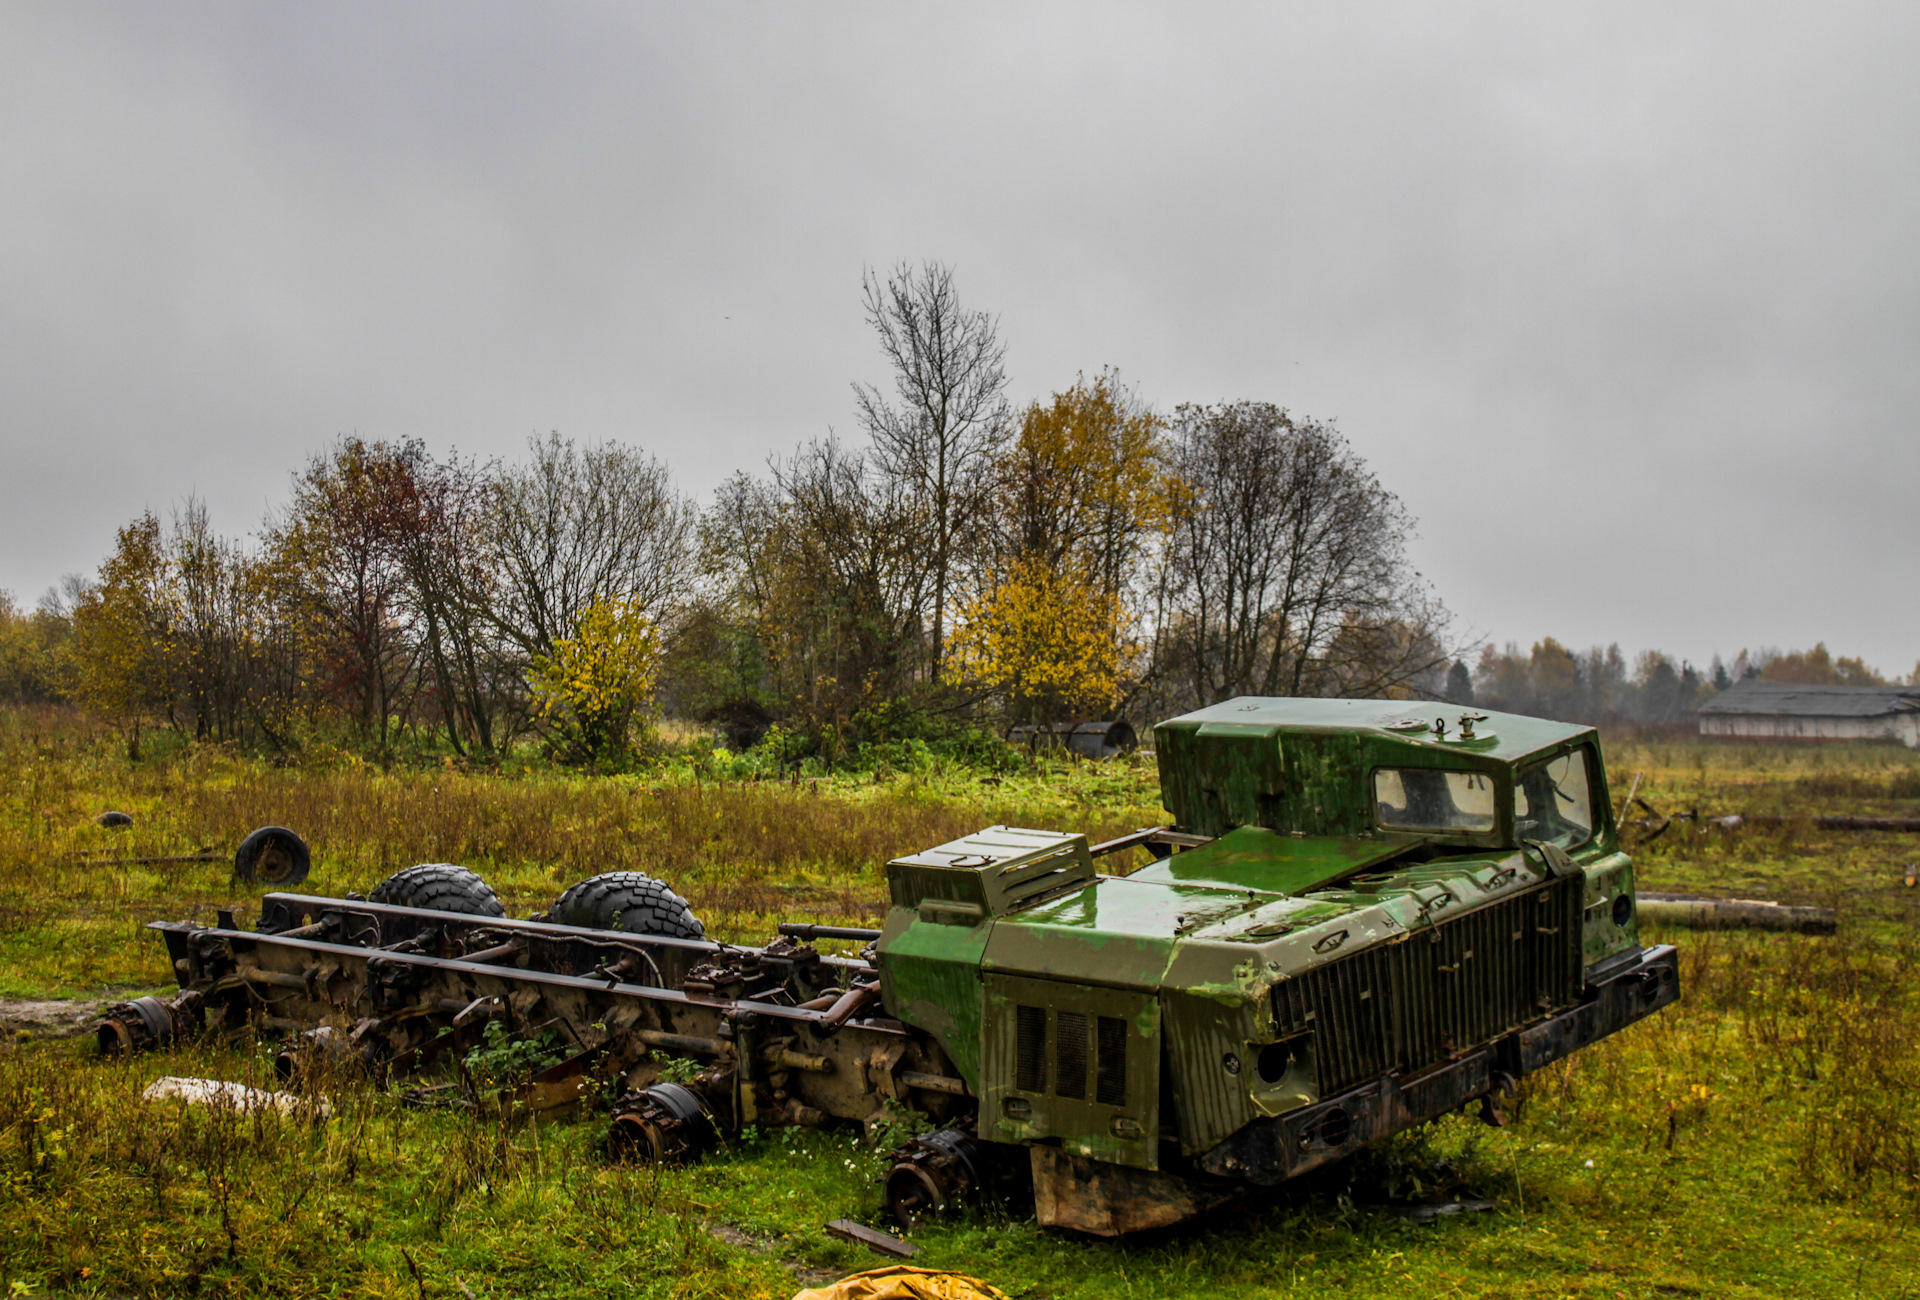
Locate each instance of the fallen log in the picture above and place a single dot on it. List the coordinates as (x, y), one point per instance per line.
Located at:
(1867, 823)
(1656, 824)
(1734, 914)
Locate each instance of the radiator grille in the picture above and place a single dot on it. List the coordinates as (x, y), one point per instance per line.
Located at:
(1110, 1083)
(1074, 1050)
(1070, 1063)
(1411, 1005)
(1030, 1050)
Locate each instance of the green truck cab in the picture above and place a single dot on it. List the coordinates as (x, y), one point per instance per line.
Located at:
(1364, 914)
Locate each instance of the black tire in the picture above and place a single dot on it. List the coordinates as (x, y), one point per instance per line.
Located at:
(272, 855)
(627, 900)
(439, 887)
(113, 820)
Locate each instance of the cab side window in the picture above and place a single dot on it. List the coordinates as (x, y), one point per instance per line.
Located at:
(1412, 798)
(1554, 800)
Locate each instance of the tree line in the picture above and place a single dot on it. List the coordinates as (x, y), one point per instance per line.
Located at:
(965, 562)
(1600, 685)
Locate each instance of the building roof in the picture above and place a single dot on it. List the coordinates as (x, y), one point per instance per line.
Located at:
(1784, 699)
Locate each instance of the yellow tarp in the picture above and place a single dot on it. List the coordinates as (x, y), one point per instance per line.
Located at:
(903, 1283)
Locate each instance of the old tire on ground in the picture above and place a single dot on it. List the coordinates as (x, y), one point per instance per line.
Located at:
(113, 819)
(439, 887)
(627, 900)
(272, 855)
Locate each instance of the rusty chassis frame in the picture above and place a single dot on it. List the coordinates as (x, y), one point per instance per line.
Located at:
(781, 1034)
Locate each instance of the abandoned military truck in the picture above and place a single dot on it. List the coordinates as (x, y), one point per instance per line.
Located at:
(1362, 915)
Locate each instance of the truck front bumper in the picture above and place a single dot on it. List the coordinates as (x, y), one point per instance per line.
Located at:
(1273, 1150)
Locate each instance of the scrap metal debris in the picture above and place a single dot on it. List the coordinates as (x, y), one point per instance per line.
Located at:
(1656, 823)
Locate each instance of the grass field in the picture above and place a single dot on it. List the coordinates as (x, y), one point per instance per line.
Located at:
(1759, 1139)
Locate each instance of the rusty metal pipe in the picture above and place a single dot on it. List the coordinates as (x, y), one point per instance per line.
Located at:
(933, 1083)
(793, 1060)
(500, 952)
(851, 1001)
(279, 979)
(805, 930)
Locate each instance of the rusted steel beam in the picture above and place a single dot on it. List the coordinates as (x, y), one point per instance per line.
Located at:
(301, 907)
(644, 992)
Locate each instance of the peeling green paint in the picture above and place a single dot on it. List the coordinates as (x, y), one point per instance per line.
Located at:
(1195, 951)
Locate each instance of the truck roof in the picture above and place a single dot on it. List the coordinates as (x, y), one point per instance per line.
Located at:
(1503, 736)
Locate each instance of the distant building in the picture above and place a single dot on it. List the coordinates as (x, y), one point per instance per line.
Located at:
(1759, 710)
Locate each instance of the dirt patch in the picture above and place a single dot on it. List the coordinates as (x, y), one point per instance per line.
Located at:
(51, 1018)
(804, 1273)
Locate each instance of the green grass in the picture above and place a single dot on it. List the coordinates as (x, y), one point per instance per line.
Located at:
(746, 853)
(1759, 1139)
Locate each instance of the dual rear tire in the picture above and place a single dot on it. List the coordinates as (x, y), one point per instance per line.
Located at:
(615, 900)
(439, 887)
(630, 901)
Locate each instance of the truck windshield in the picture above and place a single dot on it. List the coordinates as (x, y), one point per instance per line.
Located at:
(1423, 799)
(1555, 801)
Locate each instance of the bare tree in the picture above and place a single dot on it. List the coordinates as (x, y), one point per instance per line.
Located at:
(577, 523)
(341, 541)
(210, 635)
(734, 535)
(849, 582)
(450, 588)
(951, 417)
(1286, 569)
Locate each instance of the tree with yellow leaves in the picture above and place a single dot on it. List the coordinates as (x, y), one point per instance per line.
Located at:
(1080, 493)
(596, 684)
(1084, 482)
(123, 633)
(1049, 637)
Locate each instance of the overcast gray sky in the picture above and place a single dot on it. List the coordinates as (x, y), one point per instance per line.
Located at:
(1622, 299)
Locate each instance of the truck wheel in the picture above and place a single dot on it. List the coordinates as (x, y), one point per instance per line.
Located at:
(627, 900)
(272, 855)
(439, 887)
